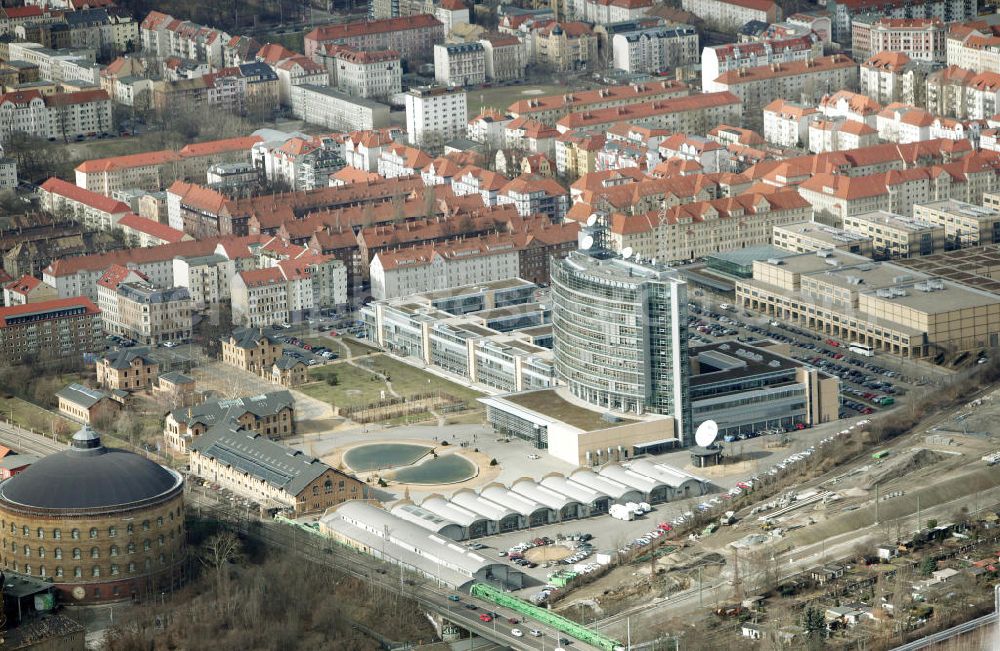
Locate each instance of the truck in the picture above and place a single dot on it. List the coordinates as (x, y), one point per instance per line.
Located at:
(728, 519)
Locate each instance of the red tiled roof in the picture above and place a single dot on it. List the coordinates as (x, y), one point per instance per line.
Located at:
(75, 193)
(261, 277)
(360, 28)
(101, 261)
(24, 285)
(44, 306)
(791, 68)
(577, 100)
(151, 227)
(647, 109)
(116, 275)
(79, 97)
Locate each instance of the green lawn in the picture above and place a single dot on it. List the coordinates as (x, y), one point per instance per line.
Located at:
(408, 379)
(357, 386)
(33, 417)
(354, 386)
(358, 348)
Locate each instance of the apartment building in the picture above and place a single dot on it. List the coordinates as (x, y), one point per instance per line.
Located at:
(303, 164)
(253, 350)
(656, 49)
(692, 114)
(78, 275)
(27, 289)
(141, 232)
(413, 37)
(974, 46)
(701, 228)
(50, 331)
(460, 64)
(127, 369)
(835, 197)
(332, 109)
(850, 105)
(61, 116)
(56, 66)
(549, 109)
(758, 87)
(844, 12)
(288, 291)
(892, 308)
(965, 224)
(360, 73)
(155, 170)
(730, 15)
(719, 59)
(888, 77)
(839, 134)
(810, 236)
(94, 210)
(505, 56)
(563, 47)
(435, 115)
(904, 124)
(897, 236)
(269, 414)
(162, 36)
(206, 278)
(8, 172)
(144, 313)
(947, 90)
(536, 195)
(786, 124)
(922, 39)
(442, 265)
(982, 96)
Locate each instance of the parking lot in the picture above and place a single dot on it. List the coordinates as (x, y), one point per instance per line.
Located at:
(867, 385)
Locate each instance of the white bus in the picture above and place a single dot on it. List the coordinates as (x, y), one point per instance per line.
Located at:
(862, 349)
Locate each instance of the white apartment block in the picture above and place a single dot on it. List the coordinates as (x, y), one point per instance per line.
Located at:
(845, 11)
(413, 270)
(93, 210)
(57, 65)
(435, 115)
(298, 71)
(506, 57)
(786, 124)
(162, 35)
(207, 278)
(839, 134)
(719, 59)
(460, 64)
(360, 73)
(288, 291)
(758, 87)
(332, 109)
(922, 39)
(8, 172)
(61, 116)
(730, 15)
(489, 127)
(656, 49)
(603, 12)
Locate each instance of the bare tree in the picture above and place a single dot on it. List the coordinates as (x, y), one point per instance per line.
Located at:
(219, 552)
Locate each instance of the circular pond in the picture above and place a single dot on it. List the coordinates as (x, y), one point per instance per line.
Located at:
(448, 469)
(377, 456)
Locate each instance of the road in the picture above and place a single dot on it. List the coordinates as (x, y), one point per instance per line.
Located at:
(390, 577)
(941, 636)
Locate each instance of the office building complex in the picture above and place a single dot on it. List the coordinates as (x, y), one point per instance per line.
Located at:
(620, 335)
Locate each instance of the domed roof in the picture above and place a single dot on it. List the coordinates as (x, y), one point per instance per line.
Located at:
(88, 476)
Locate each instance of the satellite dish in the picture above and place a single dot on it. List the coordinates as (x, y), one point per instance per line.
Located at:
(586, 242)
(706, 433)
(626, 253)
(592, 219)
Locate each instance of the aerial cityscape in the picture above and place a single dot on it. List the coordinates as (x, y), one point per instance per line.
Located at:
(579, 325)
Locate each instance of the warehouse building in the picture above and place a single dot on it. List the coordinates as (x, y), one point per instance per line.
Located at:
(387, 536)
(880, 304)
(429, 520)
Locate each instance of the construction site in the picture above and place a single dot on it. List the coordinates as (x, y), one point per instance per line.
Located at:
(868, 538)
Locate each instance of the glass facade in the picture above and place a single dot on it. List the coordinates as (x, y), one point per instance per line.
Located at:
(620, 335)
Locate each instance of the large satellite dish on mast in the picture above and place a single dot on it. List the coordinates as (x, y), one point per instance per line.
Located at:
(586, 242)
(592, 219)
(706, 433)
(626, 253)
